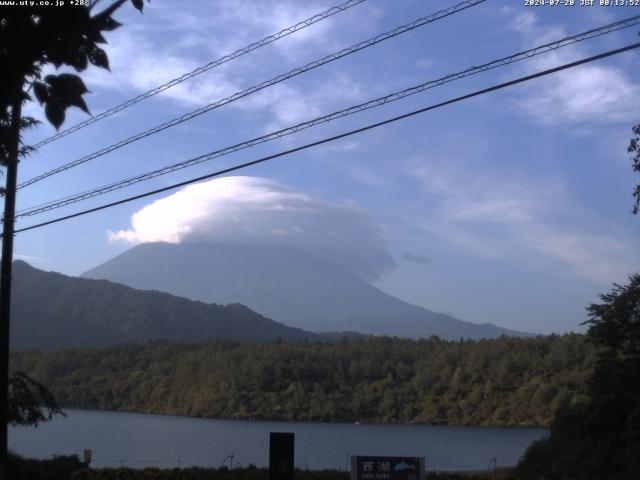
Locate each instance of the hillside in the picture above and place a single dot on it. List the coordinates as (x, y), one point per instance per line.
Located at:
(284, 284)
(505, 381)
(51, 310)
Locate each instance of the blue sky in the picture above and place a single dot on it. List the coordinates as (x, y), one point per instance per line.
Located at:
(511, 208)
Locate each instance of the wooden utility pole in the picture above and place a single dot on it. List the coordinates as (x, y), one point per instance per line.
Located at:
(8, 221)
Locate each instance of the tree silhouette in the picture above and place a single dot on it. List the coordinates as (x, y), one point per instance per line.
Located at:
(634, 148)
(600, 438)
(30, 402)
(32, 37)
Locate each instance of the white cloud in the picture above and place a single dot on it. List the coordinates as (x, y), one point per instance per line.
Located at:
(228, 25)
(524, 22)
(154, 66)
(157, 61)
(289, 105)
(255, 210)
(274, 17)
(595, 93)
(523, 220)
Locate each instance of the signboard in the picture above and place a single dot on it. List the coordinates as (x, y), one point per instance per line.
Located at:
(387, 468)
(281, 453)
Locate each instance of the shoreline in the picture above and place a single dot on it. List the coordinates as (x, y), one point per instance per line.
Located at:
(309, 422)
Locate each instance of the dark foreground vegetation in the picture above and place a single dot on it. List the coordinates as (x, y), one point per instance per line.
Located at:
(505, 381)
(70, 468)
(598, 438)
(250, 473)
(59, 468)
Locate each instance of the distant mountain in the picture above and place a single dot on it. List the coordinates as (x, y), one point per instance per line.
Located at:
(284, 284)
(51, 310)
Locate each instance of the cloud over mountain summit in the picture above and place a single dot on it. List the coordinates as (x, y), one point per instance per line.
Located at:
(259, 211)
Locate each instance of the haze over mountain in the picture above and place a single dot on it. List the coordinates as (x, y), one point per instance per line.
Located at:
(52, 310)
(284, 284)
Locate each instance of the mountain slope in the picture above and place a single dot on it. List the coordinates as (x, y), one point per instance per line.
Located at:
(51, 310)
(284, 284)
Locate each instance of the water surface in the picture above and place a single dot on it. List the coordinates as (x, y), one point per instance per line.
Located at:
(139, 440)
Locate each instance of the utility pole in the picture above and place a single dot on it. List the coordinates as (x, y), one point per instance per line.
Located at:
(494, 461)
(8, 221)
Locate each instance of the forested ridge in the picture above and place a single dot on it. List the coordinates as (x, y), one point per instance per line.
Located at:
(505, 381)
(51, 310)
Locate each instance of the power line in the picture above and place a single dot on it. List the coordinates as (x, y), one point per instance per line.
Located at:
(337, 137)
(215, 63)
(268, 83)
(351, 110)
(593, 33)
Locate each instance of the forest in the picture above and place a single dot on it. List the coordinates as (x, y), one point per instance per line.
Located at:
(507, 381)
(51, 310)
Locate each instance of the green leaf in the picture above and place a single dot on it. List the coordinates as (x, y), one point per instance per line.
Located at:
(41, 92)
(54, 113)
(95, 35)
(66, 90)
(63, 91)
(109, 24)
(79, 60)
(66, 84)
(29, 122)
(80, 103)
(98, 57)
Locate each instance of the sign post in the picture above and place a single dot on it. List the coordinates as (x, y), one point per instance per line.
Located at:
(281, 454)
(387, 468)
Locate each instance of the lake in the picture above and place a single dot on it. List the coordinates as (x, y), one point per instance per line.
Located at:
(139, 440)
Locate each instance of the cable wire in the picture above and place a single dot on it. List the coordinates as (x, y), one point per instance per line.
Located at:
(593, 33)
(336, 137)
(268, 83)
(215, 63)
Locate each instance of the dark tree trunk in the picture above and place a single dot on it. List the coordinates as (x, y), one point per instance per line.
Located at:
(5, 277)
